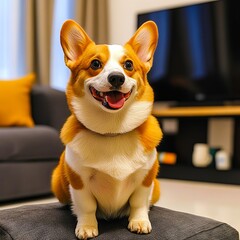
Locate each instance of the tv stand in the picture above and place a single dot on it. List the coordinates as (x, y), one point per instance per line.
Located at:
(160, 110)
(201, 104)
(193, 128)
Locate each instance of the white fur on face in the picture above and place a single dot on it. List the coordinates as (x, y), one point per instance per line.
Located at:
(102, 120)
(100, 82)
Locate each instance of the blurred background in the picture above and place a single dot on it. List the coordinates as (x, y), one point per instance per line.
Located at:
(30, 42)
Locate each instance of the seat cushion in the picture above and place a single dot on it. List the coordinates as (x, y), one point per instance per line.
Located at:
(55, 221)
(28, 179)
(24, 144)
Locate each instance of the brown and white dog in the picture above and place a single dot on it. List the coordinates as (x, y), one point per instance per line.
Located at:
(109, 165)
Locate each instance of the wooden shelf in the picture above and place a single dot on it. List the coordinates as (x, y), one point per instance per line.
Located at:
(161, 111)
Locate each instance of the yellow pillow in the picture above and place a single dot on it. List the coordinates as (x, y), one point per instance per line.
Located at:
(15, 102)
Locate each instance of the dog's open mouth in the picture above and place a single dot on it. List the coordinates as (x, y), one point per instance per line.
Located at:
(112, 100)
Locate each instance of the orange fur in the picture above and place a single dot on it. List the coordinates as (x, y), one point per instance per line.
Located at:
(152, 174)
(73, 49)
(150, 133)
(140, 74)
(73, 178)
(147, 94)
(62, 176)
(60, 182)
(150, 136)
(156, 191)
(143, 63)
(134, 44)
(71, 127)
(81, 70)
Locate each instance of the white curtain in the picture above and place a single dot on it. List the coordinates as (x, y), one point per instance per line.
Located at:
(12, 39)
(59, 74)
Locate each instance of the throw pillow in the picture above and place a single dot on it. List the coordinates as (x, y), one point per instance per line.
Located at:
(15, 102)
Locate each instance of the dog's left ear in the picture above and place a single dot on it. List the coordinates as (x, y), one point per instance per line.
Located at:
(144, 42)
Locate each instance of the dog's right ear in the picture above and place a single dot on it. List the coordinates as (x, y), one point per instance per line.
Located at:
(73, 40)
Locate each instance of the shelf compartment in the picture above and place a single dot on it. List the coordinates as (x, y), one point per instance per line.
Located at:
(184, 172)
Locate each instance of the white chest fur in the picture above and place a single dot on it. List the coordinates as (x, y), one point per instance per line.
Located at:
(112, 195)
(111, 168)
(117, 156)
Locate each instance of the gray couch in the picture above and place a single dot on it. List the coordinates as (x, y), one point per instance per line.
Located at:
(28, 155)
(55, 221)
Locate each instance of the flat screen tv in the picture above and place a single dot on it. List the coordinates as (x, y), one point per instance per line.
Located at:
(197, 60)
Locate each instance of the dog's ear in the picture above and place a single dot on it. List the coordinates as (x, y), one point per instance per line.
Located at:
(73, 40)
(144, 42)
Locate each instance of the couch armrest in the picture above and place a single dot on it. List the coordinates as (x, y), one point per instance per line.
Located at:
(49, 106)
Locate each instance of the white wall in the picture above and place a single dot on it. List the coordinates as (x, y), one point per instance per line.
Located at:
(123, 15)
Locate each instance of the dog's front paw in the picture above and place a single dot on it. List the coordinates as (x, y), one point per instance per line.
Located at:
(86, 231)
(140, 226)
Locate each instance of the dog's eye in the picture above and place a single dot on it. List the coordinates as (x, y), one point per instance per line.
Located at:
(128, 65)
(95, 64)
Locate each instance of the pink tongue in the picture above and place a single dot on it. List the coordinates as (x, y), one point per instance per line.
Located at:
(115, 99)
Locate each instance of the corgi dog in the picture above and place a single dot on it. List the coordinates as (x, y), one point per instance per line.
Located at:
(109, 166)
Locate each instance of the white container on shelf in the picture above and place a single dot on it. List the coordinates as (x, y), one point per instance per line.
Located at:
(201, 156)
(222, 160)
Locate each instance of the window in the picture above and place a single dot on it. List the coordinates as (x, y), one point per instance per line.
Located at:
(59, 75)
(12, 39)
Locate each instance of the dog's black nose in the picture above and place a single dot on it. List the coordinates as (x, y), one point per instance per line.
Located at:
(116, 79)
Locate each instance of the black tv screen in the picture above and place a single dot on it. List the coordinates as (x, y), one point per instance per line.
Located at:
(197, 59)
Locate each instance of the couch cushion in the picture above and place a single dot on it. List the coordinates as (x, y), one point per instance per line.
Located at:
(21, 180)
(15, 107)
(24, 144)
(54, 221)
